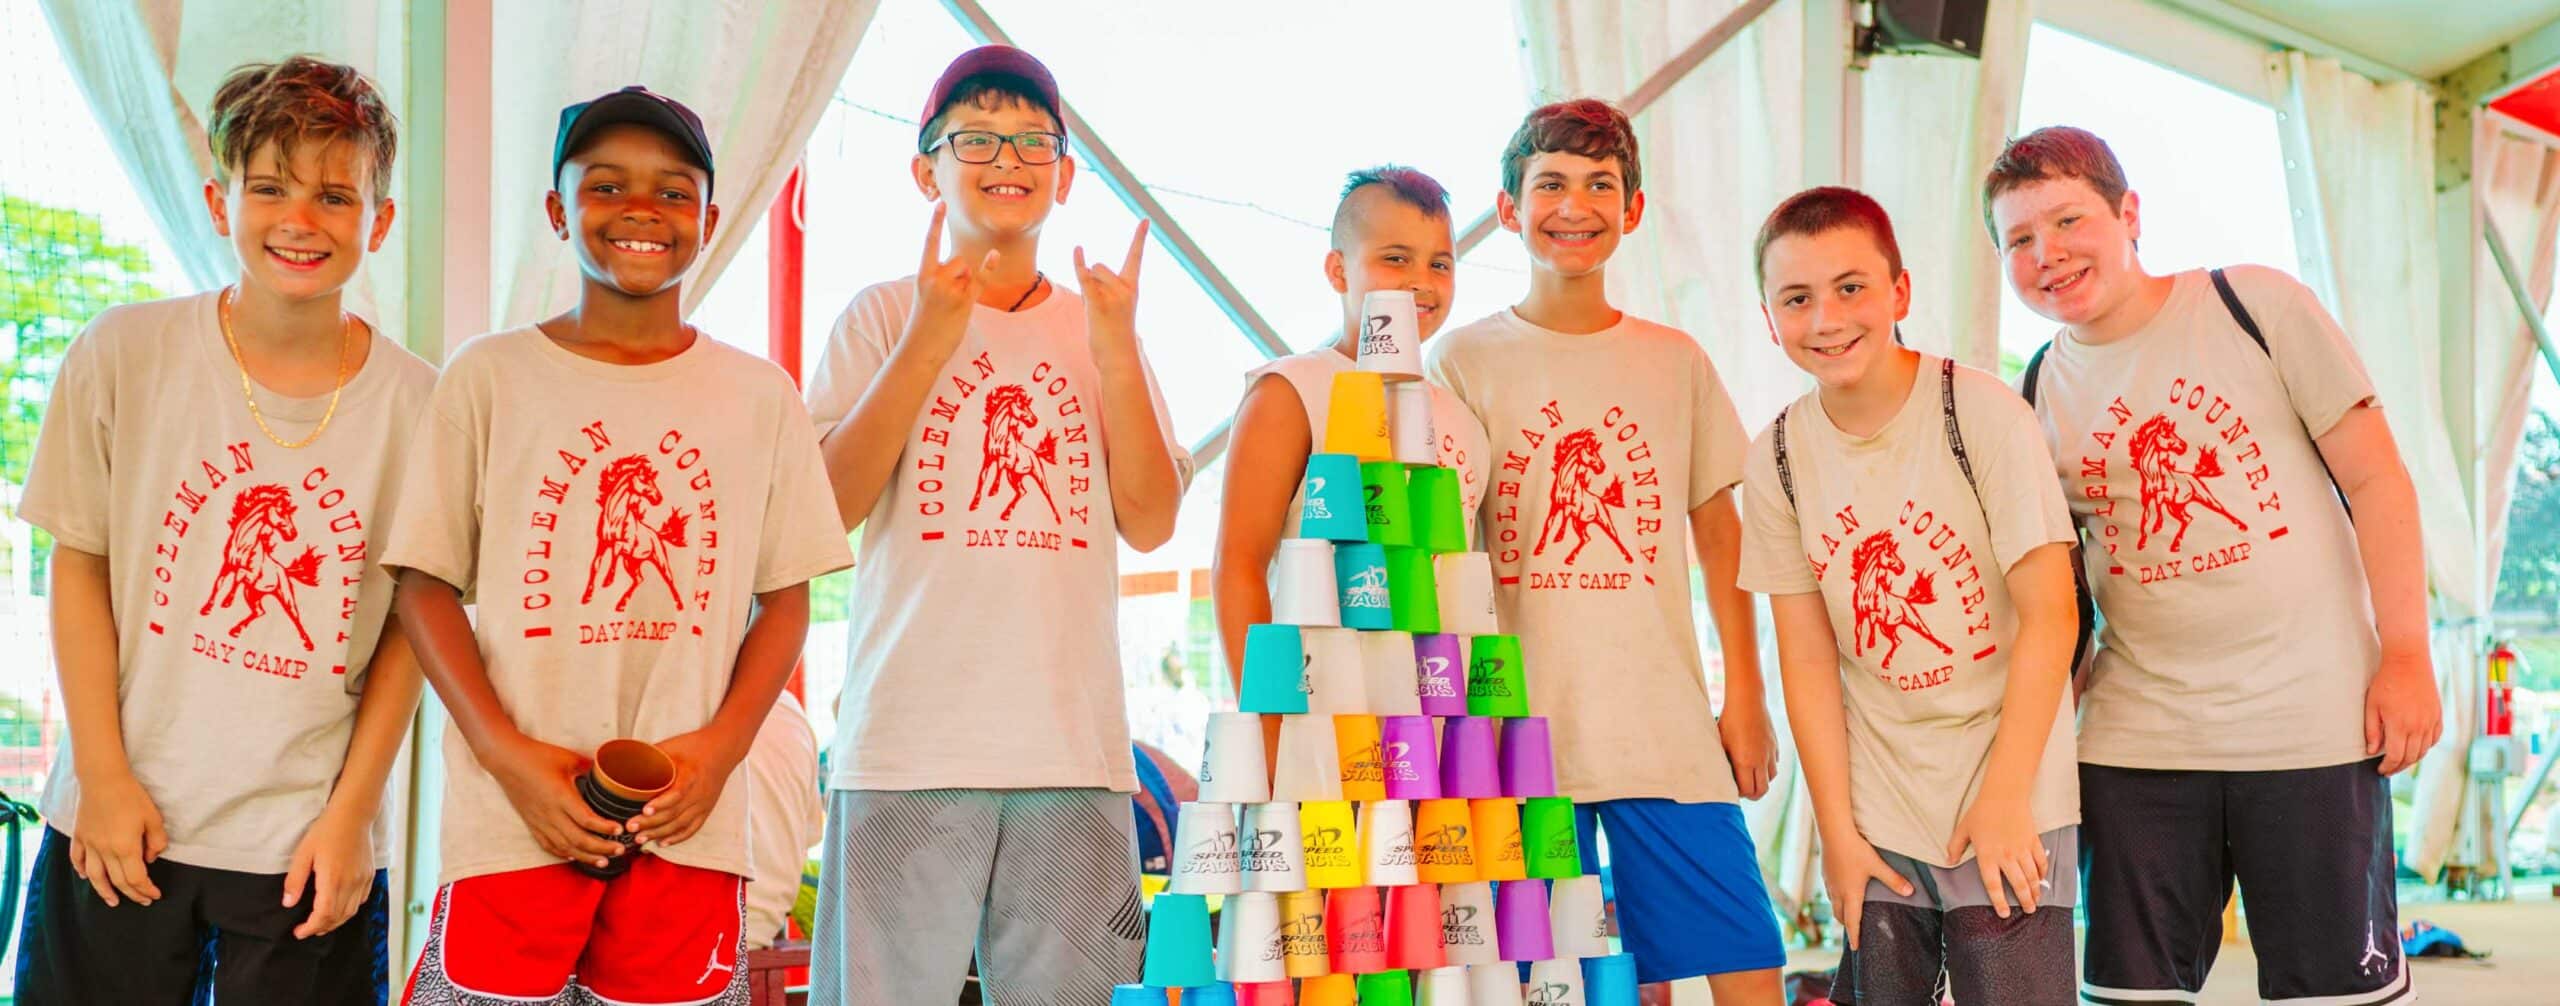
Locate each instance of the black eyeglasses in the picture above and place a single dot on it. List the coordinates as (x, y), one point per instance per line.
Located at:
(977, 146)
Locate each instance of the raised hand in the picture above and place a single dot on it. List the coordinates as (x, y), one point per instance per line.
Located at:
(1111, 299)
(946, 291)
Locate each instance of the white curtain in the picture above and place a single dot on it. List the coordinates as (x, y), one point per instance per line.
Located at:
(2516, 184)
(149, 68)
(759, 72)
(1931, 125)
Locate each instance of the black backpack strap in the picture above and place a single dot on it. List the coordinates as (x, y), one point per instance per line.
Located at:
(1955, 430)
(2035, 366)
(1778, 444)
(2240, 314)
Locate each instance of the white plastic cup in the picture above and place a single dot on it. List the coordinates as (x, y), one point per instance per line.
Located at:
(1204, 851)
(1231, 766)
(1390, 335)
(1303, 589)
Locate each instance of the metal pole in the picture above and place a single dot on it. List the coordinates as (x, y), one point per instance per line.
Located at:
(1132, 192)
(2524, 300)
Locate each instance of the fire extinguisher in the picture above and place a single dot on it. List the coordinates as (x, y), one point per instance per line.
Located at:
(2499, 719)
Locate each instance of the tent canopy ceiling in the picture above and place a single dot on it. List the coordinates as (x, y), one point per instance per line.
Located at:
(2424, 38)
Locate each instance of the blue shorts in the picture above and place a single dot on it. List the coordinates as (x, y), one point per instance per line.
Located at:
(1686, 881)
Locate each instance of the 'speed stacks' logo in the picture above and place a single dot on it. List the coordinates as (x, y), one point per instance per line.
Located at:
(1328, 848)
(656, 537)
(1035, 458)
(1265, 852)
(1891, 603)
(1459, 928)
(1378, 337)
(290, 559)
(2197, 466)
(1445, 846)
(1602, 505)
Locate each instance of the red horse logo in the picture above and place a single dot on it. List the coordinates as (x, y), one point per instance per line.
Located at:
(1008, 457)
(624, 539)
(1878, 609)
(2168, 492)
(1573, 505)
(261, 519)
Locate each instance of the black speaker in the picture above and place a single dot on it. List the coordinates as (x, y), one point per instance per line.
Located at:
(1937, 27)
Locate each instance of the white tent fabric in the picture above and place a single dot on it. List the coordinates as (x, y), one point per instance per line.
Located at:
(149, 69)
(2516, 182)
(759, 73)
(1915, 104)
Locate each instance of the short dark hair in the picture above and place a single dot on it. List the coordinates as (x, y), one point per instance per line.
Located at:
(1587, 126)
(986, 92)
(1405, 185)
(2050, 153)
(1821, 211)
(297, 100)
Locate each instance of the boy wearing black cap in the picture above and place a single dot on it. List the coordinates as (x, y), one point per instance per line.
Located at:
(993, 433)
(637, 510)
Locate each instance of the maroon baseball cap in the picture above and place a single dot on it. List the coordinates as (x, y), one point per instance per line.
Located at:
(986, 61)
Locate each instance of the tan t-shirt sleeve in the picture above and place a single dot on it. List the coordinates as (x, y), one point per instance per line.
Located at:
(2323, 374)
(1716, 438)
(437, 531)
(1773, 559)
(856, 349)
(67, 483)
(803, 538)
(2022, 502)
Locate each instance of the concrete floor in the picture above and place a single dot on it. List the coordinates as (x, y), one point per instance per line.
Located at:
(2522, 937)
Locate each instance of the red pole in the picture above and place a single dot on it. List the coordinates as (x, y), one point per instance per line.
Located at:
(785, 243)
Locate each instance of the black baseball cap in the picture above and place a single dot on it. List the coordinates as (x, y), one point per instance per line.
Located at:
(984, 61)
(633, 105)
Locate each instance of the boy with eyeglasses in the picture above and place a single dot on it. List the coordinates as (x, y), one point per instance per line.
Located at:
(997, 437)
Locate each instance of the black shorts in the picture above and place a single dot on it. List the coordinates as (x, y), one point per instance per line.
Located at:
(2310, 849)
(214, 936)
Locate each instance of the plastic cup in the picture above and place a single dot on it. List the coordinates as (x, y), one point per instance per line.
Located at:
(1393, 987)
(1520, 920)
(1527, 757)
(1137, 995)
(1493, 985)
(1337, 989)
(1356, 417)
(1499, 853)
(1440, 675)
(1413, 927)
(1331, 503)
(1576, 917)
(1556, 982)
(1441, 986)
(1413, 595)
(1212, 994)
(1280, 993)
(1387, 673)
(618, 784)
(1466, 924)
(1337, 681)
(1547, 835)
(1497, 684)
(1444, 846)
(1610, 980)
(1390, 335)
(1465, 582)
(1360, 572)
(1410, 757)
(1364, 773)
(1204, 851)
(1469, 758)
(1390, 513)
(1275, 670)
(1386, 843)
(1332, 847)
(1304, 586)
(1409, 426)
(1231, 767)
(1439, 510)
(1249, 940)
(1178, 949)
(1272, 850)
(1302, 949)
(1355, 927)
(1310, 766)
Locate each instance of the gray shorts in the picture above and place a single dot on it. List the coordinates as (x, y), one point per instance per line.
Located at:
(1040, 885)
(1945, 937)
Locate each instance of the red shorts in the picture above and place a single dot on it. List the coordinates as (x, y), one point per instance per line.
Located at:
(661, 933)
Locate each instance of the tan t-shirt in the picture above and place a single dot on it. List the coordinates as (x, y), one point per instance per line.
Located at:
(2239, 632)
(614, 524)
(985, 647)
(1461, 439)
(1601, 445)
(245, 608)
(1913, 569)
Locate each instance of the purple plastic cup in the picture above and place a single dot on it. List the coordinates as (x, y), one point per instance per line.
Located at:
(1469, 758)
(1440, 674)
(1528, 758)
(1411, 756)
(1520, 920)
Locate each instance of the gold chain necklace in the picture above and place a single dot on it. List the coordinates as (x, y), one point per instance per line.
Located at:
(346, 343)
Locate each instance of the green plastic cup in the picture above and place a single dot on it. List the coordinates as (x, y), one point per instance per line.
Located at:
(1439, 509)
(1413, 593)
(1547, 835)
(1382, 485)
(1387, 988)
(1497, 684)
